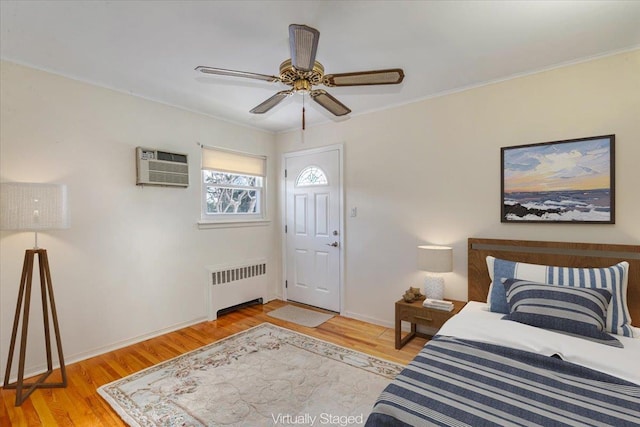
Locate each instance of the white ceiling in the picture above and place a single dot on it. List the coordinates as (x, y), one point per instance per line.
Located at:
(150, 48)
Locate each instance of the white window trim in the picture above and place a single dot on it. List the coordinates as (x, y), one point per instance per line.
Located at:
(210, 224)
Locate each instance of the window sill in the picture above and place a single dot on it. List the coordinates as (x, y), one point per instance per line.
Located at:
(205, 225)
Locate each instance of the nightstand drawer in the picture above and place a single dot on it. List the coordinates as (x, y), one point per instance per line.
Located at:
(432, 318)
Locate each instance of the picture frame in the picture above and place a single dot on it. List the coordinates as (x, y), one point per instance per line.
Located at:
(569, 181)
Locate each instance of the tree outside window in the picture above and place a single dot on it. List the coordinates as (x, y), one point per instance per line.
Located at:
(228, 193)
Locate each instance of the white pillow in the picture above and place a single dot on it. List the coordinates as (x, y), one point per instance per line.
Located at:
(490, 261)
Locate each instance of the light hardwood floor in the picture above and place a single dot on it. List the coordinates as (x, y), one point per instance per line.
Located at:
(80, 405)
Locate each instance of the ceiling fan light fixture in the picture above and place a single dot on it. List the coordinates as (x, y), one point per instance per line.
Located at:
(289, 74)
(302, 86)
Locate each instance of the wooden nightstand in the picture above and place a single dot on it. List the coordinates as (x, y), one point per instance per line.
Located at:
(416, 314)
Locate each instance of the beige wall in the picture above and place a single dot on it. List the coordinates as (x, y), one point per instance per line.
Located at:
(133, 262)
(132, 265)
(429, 172)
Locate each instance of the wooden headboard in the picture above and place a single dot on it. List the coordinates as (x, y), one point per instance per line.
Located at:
(553, 253)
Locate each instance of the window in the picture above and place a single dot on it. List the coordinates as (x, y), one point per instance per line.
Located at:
(229, 193)
(233, 185)
(311, 175)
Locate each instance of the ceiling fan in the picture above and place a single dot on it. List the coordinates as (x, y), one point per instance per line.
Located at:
(302, 72)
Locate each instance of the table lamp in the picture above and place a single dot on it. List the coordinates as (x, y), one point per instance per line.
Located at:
(434, 260)
(33, 207)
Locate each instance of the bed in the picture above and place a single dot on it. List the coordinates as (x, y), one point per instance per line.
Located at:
(482, 369)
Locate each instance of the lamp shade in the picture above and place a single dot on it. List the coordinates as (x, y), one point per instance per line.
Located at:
(435, 259)
(33, 207)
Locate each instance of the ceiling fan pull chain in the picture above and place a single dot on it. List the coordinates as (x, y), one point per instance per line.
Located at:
(303, 125)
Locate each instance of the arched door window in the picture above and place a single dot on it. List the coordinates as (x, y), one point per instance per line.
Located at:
(311, 175)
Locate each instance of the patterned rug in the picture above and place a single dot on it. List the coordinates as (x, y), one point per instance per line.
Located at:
(300, 316)
(264, 376)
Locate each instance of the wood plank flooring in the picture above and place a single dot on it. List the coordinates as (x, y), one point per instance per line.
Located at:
(80, 405)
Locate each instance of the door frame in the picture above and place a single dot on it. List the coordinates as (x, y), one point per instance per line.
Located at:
(283, 219)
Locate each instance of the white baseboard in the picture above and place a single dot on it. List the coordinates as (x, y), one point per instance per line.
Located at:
(368, 319)
(78, 357)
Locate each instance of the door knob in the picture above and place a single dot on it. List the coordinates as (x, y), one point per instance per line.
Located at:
(334, 244)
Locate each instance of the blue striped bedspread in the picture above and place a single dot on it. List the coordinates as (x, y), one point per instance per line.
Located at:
(455, 382)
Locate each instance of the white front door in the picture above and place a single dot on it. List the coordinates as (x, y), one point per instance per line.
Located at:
(313, 234)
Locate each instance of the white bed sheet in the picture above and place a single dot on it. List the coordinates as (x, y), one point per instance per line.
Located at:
(476, 322)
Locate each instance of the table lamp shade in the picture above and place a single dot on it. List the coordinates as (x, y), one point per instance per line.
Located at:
(33, 207)
(435, 259)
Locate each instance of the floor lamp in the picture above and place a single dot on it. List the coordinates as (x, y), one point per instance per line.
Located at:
(34, 207)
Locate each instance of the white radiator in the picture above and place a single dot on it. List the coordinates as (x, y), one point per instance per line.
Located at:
(231, 285)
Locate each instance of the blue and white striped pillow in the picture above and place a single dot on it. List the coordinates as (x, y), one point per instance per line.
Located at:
(613, 278)
(575, 311)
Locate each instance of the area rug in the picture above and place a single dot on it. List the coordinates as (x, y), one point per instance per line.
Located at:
(300, 316)
(264, 376)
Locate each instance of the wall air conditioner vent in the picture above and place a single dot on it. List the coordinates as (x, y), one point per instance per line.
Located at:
(155, 167)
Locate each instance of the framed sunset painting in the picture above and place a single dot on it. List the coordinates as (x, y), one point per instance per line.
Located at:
(568, 181)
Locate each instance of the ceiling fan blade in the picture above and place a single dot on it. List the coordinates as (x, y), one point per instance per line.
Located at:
(391, 76)
(334, 106)
(303, 42)
(234, 73)
(271, 102)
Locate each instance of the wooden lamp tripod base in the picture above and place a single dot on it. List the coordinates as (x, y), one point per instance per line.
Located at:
(23, 390)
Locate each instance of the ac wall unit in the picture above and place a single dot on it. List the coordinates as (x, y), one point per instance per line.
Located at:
(155, 167)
